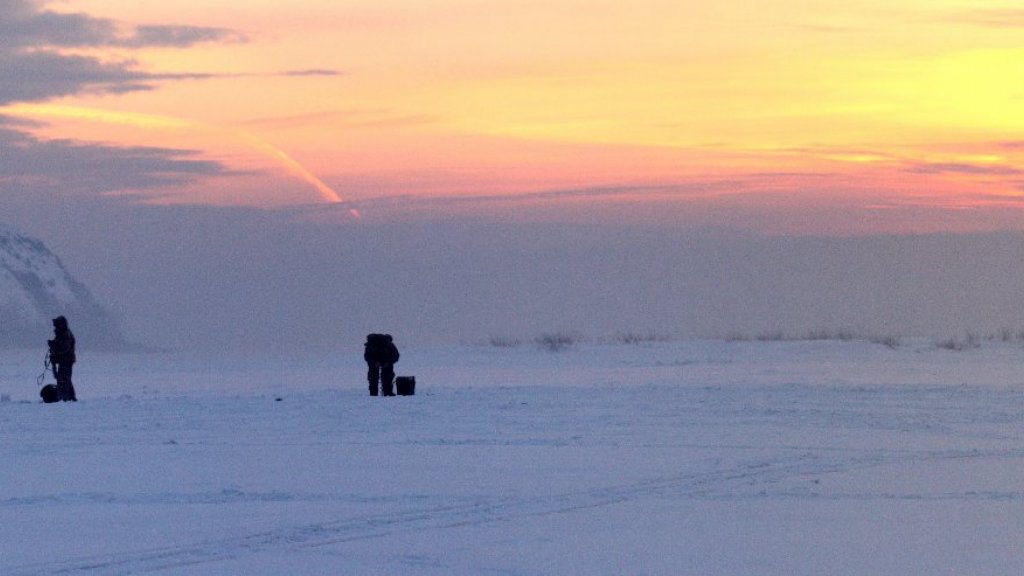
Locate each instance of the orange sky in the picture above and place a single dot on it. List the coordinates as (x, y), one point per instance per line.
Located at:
(876, 104)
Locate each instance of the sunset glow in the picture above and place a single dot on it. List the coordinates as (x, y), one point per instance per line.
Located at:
(156, 123)
(880, 106)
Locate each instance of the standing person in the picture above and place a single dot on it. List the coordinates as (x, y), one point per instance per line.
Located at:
(62, 358)
(380, 355)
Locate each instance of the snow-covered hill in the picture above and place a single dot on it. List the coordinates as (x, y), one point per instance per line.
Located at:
(35, 287)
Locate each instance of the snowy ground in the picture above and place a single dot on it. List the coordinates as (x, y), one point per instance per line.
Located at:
(743, 458)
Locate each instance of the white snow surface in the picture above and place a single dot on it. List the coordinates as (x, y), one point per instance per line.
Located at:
(699, 457)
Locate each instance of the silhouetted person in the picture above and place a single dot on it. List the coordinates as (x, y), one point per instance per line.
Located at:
(62, 358)
(380, 355)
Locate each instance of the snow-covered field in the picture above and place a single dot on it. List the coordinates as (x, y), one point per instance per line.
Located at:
(741, 458)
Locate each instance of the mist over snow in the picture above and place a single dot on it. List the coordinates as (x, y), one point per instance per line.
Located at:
(243, 280)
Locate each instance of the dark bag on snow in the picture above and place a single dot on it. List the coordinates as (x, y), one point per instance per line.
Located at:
(406, 385)
(49, 394)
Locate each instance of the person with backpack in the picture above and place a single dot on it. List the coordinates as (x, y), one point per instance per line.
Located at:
(380, 354)
(62, 358)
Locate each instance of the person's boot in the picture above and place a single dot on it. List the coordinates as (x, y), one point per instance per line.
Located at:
(373, 390)
(388, 389)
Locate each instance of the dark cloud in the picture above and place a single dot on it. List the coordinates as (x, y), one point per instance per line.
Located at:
(580, 194)
(30, 68)
(24, 25)
(30, 166)
(1001, 198)
(312, 72)
(181, 36)
(963, 168)
(36, 76)
(206, 75)
(33, 68)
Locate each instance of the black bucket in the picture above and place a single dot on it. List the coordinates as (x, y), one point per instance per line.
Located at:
(49, 394)
(405, 385)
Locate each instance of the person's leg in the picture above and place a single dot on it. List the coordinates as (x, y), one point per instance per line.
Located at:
(69, 386)
(64, 389)
(387, 379)
(373, 376)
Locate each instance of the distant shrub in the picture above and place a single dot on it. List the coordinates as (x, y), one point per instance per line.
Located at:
(1008, 335)
(557, 341)
(969, 341)
(812, 335)
(842, 335)
(504, 342)
(638, 338)
(890, 341)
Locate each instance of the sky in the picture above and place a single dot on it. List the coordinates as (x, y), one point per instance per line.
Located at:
(352, 118)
